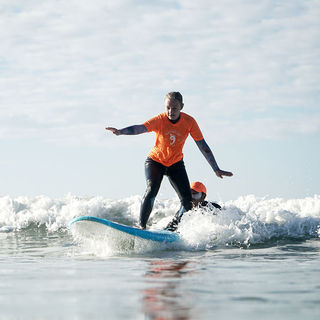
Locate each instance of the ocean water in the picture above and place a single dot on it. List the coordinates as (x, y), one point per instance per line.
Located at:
(258, 258)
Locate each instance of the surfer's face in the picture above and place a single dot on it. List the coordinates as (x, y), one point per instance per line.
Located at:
(173, 108)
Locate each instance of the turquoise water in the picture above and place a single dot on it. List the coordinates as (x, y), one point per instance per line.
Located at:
(241, 266)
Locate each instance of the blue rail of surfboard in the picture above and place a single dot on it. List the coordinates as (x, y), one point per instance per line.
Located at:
(156, 235)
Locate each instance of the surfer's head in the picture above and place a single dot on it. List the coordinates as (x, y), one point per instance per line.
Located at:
(173, 104)
(198, 192)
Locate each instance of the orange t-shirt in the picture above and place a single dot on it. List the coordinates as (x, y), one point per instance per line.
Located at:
(170, 137)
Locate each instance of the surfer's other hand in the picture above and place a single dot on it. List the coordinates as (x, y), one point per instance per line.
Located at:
(114, 131)
(221, 173)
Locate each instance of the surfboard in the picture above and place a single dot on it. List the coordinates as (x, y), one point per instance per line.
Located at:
(152, 235)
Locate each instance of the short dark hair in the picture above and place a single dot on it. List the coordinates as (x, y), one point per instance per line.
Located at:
(175, 95)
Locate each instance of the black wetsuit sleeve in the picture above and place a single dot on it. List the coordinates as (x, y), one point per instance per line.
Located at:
(173, 225)
(206, 151)
(216, 205)
(133, 130)
(213, 204)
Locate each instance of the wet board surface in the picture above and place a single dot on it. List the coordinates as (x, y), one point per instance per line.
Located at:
(152, 235)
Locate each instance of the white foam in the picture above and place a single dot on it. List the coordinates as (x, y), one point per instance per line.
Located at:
(252, 220)
(244, 221)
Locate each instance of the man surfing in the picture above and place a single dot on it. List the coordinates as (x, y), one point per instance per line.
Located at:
(172, 128)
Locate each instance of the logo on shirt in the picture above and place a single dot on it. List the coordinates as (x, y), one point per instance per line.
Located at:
(172, 139)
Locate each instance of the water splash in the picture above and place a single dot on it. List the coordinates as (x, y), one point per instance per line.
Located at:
(246, 221)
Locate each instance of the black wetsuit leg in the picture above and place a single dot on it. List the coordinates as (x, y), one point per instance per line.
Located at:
(154, 172)
(178, 178)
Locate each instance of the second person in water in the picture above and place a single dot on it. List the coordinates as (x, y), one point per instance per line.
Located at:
(199, 193)
(166, 158)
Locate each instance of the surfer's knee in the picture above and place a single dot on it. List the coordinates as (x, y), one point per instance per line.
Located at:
(152, 189)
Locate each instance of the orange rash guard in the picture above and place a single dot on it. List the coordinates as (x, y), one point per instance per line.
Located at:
(170, 137)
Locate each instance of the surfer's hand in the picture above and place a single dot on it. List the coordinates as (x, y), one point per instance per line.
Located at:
(221, 173)
(114, 131)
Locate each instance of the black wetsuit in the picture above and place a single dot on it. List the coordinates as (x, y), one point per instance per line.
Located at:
(173, 225)
(178, 178)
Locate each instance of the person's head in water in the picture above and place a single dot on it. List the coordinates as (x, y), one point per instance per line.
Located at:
(173, 105)
(198, 192)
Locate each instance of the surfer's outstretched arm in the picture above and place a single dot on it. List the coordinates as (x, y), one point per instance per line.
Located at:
(206, 151)
(132, 130)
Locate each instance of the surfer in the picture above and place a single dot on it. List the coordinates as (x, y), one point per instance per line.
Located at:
(172, 128)
(199, 193)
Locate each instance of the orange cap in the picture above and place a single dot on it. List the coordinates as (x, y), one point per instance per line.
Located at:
(198, 186)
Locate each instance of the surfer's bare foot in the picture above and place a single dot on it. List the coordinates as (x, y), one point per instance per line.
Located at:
(143, 228)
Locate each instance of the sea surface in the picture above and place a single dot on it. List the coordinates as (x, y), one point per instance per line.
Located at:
(257, 258)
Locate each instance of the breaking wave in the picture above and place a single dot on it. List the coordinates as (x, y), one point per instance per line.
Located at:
(243, 222)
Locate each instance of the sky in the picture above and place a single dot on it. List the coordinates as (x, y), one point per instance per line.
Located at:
(248, 71)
